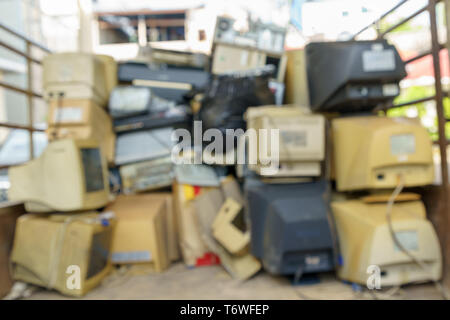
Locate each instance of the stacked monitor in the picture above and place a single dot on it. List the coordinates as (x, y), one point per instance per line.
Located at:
(77, 75)
(352, 76)
(83, 244)
(373, 156)
(63, 188)
(286, 207)
(290, 229)
(373, 152)
(81, 119)
(70, 175)
(301, 144)
(377, 155)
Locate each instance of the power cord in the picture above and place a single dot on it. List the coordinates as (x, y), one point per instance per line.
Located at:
(297, 276)
(394, 293)
(58, 110)
(390, 204)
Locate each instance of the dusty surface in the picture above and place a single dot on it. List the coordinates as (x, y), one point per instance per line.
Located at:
(213, 282)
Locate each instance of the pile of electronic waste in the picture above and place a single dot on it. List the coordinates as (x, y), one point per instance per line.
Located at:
(328, 191)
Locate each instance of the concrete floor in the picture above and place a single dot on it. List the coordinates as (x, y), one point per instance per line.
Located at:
(213, 282)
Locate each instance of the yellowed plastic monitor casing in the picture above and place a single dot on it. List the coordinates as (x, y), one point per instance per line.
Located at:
(229, 235)
(81, 119)
(372, 152)
(110, 72)
(56, 180)
(78, 75)
(45, 247)
(302, 156)
(365, 240)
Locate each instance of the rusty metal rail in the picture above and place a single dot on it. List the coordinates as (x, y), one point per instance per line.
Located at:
(27, 54)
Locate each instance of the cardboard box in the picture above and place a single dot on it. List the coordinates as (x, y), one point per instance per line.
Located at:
(196, 209)
(81, 119)
(9, 213)
(191, 244)
(141, 232)
(231, 189)
(171, 224)
(50, 250)
(193, 249)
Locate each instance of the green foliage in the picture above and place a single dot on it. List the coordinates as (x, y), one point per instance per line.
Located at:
(418, 92)
(406, 27)
(409, 94)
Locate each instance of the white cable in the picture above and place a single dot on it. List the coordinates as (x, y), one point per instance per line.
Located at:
(422, 265)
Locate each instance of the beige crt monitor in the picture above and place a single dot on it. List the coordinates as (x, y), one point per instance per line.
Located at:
(301, 143)
(49, 247)
(78, 75)
(375, 152)
(70, 175)
(81, 119)
(111, 70)
(365, 241)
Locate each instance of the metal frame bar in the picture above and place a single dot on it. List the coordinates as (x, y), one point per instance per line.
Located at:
(20, 90)
(19, 126)
(27, 54)
(439, 96)
(405, 104)
(24, 37)
(374, 23)
(403, 21)
(20, 53)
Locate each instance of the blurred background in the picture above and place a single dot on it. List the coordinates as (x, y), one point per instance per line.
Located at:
(126, 30)
(119, 27)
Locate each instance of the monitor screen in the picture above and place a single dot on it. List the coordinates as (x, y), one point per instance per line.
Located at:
(403, 144)
(99, 252)
(239, 221)
(93, 172)
(294, 138)
(301, 137)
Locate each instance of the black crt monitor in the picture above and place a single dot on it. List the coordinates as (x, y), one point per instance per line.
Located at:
(290, 227)
(352, 76)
